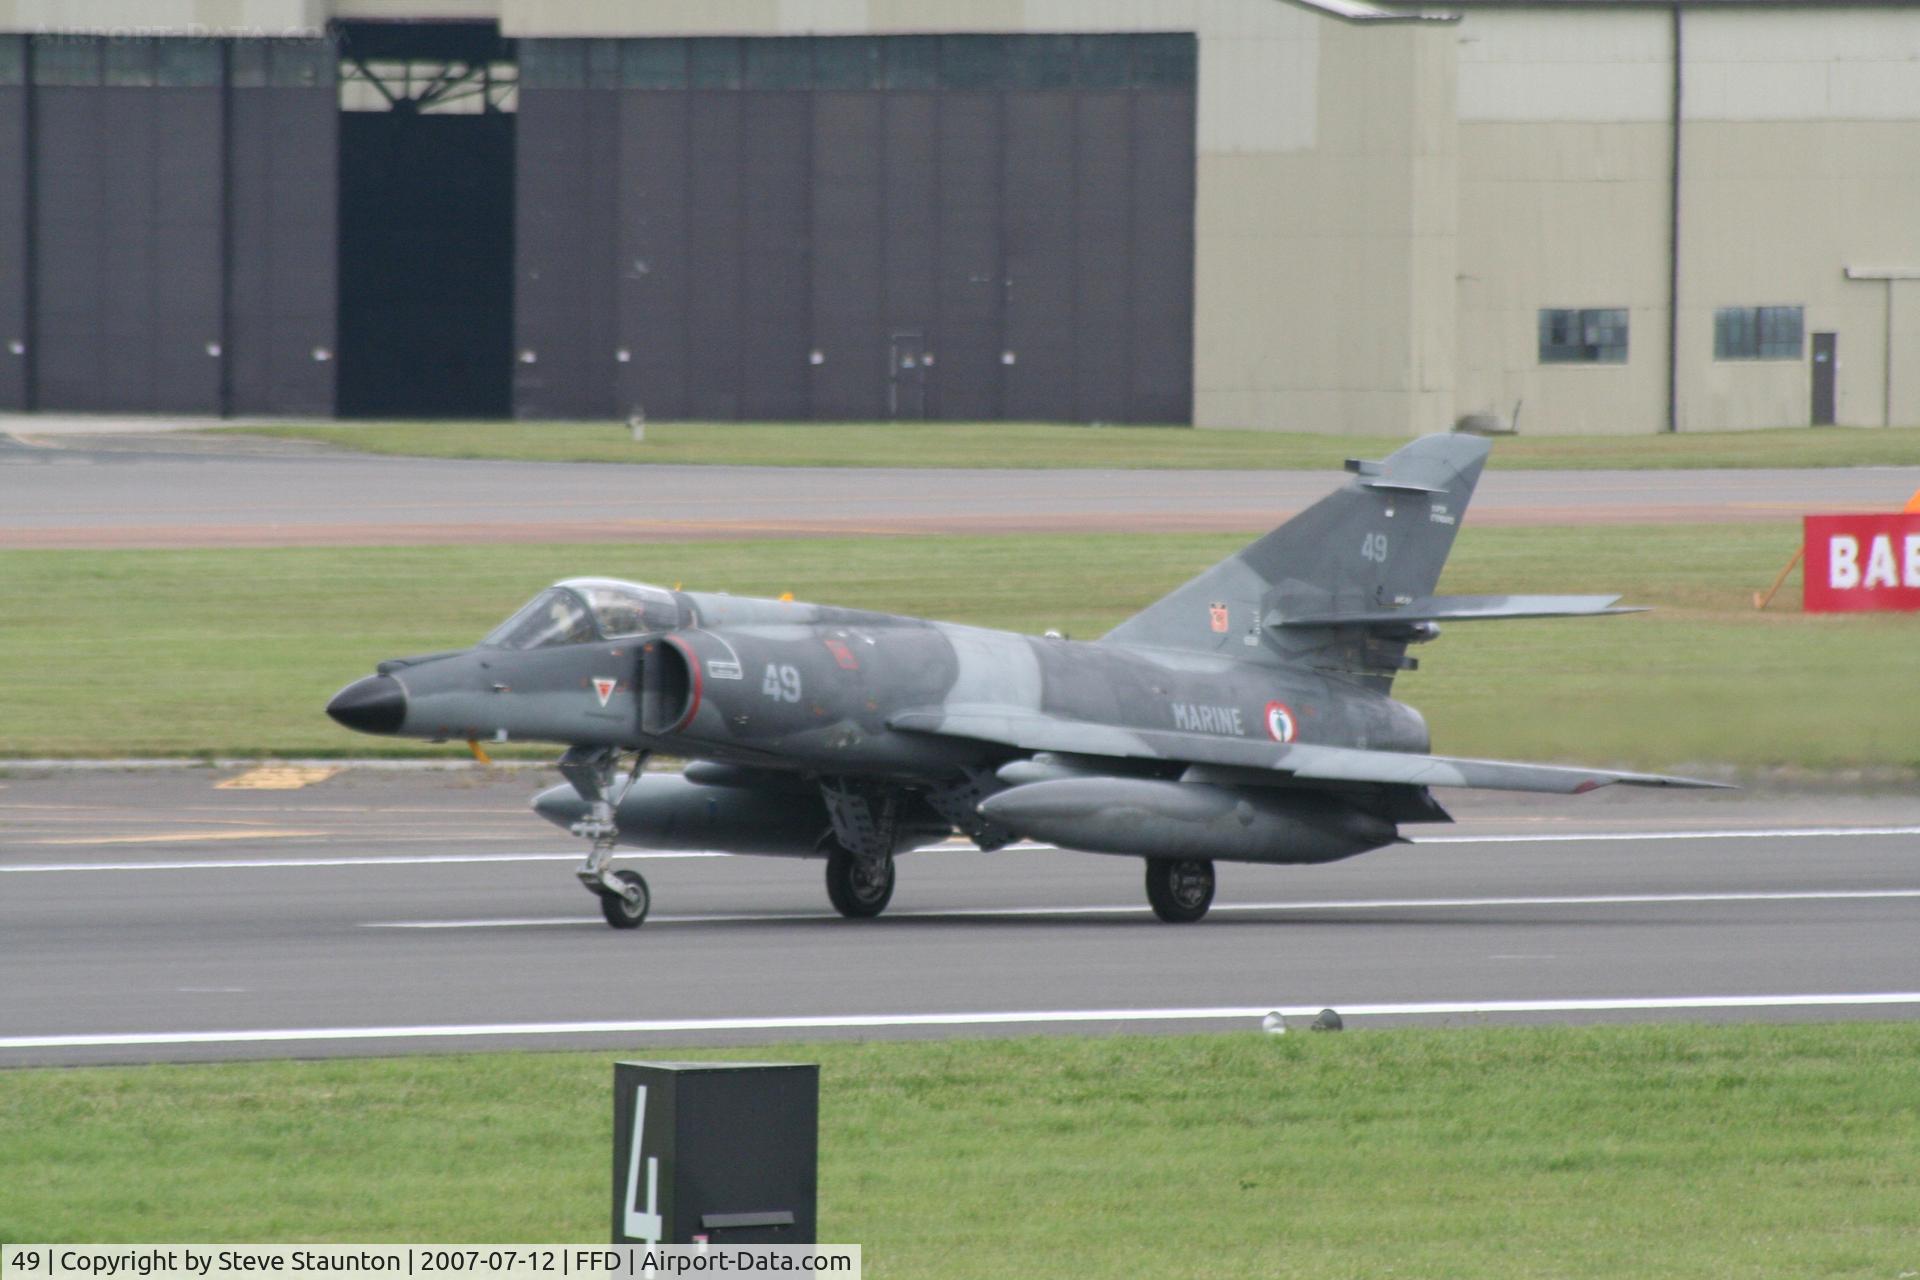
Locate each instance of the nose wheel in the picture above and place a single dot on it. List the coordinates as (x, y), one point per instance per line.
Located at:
(628, 908)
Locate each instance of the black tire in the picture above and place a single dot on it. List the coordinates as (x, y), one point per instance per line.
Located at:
(1179, 889)
(859, 888)
(622, 914)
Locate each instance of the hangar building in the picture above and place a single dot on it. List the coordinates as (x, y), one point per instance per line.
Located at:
(1589, 215)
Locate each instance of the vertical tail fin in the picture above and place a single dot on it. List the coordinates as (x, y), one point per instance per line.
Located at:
(1377, 542)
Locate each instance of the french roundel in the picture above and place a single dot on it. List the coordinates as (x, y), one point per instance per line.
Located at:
(1280, 723)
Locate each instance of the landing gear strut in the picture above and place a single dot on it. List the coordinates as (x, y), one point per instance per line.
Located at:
(1179, 889)
(624, 898)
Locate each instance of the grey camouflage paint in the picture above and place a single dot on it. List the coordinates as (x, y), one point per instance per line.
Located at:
(1245, 716)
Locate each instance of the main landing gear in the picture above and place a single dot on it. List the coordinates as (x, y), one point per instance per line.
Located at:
(859, 849)
(623, 894)
(859, 888)
(1179, 889)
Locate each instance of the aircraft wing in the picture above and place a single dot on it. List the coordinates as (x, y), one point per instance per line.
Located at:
(1307, 762)
(1350, 764)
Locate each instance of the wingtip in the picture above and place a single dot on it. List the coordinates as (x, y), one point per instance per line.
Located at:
(1680, 784)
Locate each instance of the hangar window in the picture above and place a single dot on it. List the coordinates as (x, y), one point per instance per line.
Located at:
(846, 62)
(1042, 62)
(129, 61)
(653, 64)
(715, 63)
(603, 64)
(913, 62)
(66, 60)
(193, 64)
(1165, 60)
(1583, 337)
(974, 62)
(1758, 333)
(1105, 62)
(553, 64)
(778, 64)
(292, 64)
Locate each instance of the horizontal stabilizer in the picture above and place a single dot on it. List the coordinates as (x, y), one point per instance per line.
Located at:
(1301, 761)
(1461, 609)
(1400, 486)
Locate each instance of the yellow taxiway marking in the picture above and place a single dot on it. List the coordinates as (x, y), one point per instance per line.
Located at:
(184, 837)
(269, 777)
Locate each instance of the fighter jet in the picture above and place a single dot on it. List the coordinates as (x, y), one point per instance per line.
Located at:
(1245, 717)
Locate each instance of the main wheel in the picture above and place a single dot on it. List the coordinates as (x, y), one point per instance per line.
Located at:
(859, 888)
(1179, 889)
(621, 912)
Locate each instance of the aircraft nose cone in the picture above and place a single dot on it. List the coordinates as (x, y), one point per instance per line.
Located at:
(561, 805)
(375, 704)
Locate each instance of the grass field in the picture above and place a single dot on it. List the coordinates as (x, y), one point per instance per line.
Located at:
(1023, 445)
(234, 652)
(1646, 1151)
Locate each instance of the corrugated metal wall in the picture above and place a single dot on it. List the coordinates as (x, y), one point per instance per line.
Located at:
(283, 131)
(127, 220)
(161, 267)
(758, 228)
(567, 166)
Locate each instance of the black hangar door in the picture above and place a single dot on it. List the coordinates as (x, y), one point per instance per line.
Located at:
(743, 228)
(15, 391)
(426, 211)
(127, 248)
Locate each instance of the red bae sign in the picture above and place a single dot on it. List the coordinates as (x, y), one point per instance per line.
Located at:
(1862, 562)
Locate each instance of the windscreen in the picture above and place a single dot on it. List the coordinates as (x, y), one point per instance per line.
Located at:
(553, 617)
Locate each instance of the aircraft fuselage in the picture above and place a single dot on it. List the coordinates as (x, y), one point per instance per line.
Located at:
(802, 687)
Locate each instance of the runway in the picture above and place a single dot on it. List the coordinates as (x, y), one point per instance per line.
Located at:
(152, 916)
(165, 491)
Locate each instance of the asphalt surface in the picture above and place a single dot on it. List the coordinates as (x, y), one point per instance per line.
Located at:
(154, 916)
(81, 491)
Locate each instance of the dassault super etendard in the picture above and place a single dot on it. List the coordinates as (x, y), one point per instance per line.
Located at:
(1246, 717)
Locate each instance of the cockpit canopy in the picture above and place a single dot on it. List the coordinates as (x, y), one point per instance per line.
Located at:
(582, 610)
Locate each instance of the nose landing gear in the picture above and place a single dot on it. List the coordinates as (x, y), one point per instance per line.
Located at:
(624, 897)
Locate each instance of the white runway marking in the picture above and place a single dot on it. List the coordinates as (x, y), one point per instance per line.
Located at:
(1333, 904)
(383, 860)
(403, 860)
(1016, 1017)
(1571, 837)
